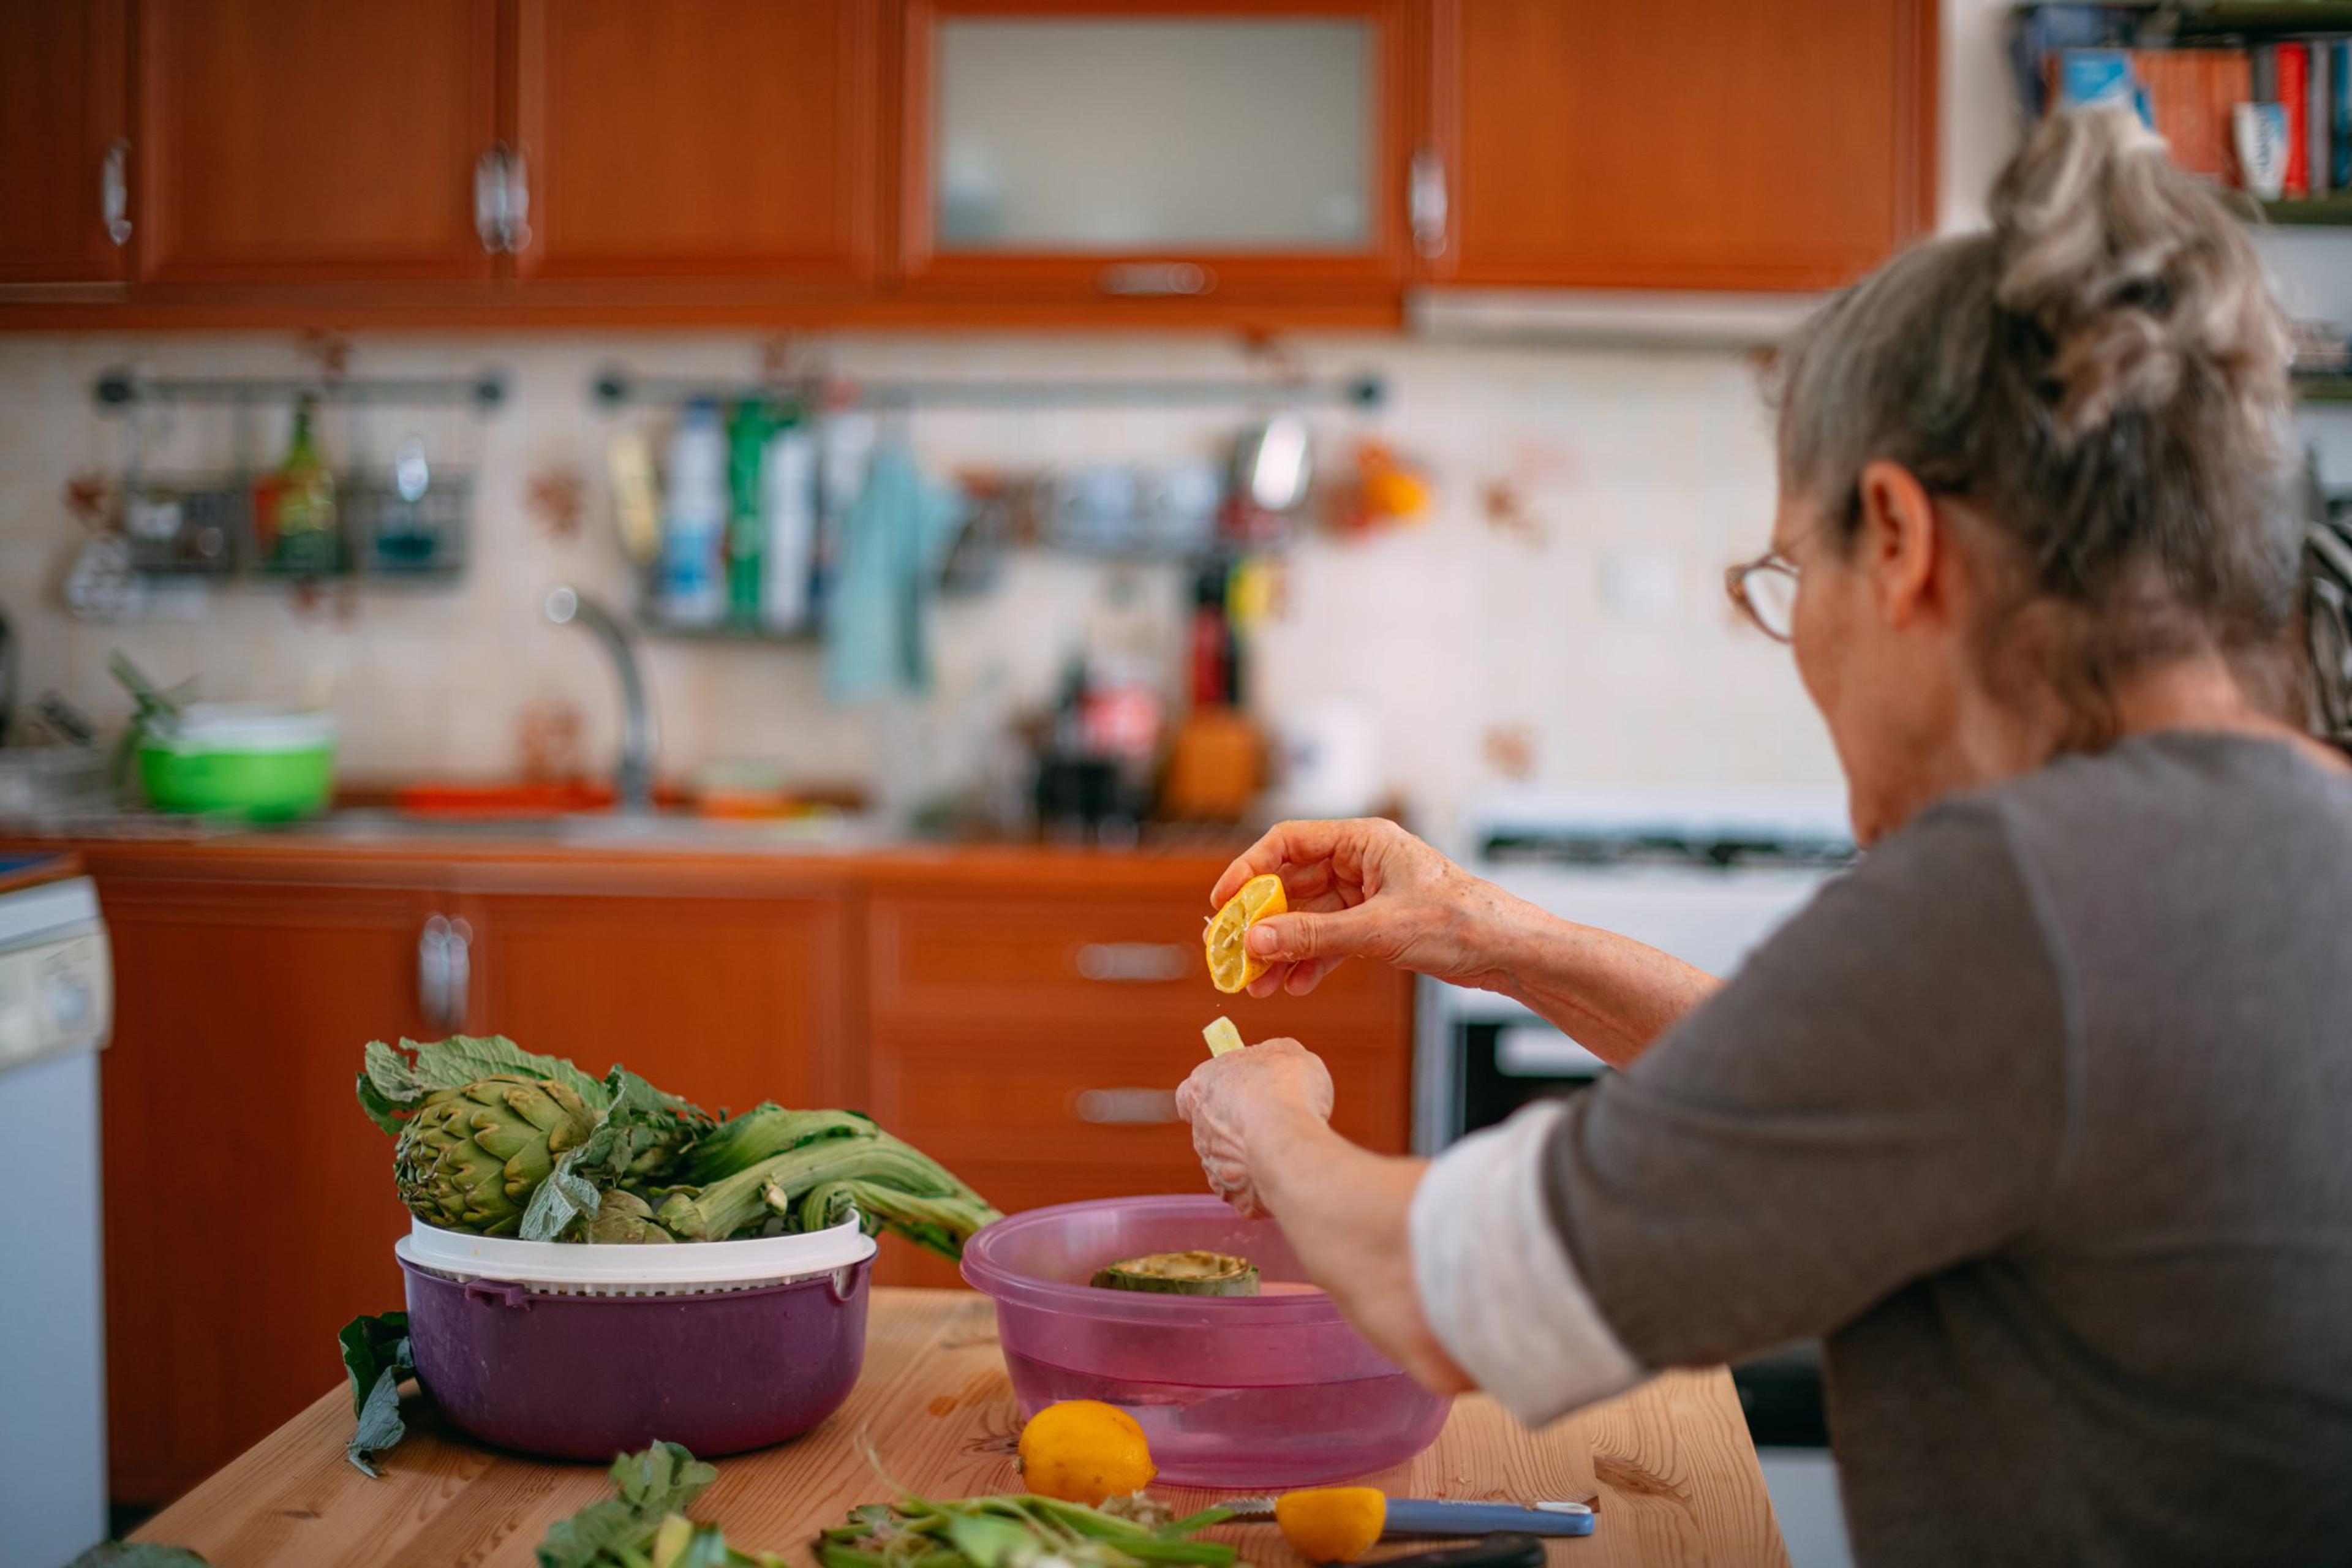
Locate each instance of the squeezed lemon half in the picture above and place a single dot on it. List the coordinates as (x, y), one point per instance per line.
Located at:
(1231, 967)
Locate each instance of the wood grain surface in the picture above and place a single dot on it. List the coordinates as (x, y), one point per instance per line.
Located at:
(1669, 1465)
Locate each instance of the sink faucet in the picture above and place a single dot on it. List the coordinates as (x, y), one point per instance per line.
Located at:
(632, 776)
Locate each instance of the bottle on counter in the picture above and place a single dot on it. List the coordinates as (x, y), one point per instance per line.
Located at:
(295, 508)
(692, 585)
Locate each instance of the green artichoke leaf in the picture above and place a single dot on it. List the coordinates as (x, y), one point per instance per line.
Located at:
(376, 1357)
(395, 1080)
(766, 1131)
(637, 1134)
(651, 1484)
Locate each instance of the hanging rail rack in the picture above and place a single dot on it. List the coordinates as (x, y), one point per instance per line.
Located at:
(119, 388)
(615, 388)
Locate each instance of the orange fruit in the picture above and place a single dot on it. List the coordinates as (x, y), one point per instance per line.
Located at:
(1332, 1524)
(1083, 1450)
(1231, 967)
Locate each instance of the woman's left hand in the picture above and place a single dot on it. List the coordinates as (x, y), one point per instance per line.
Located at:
(1237, 1101)
(1262, 1123)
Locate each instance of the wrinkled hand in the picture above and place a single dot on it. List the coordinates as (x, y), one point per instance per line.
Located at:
(1362, 888)
(1236, 1102)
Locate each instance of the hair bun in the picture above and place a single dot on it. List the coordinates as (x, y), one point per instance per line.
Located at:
(2136, 278)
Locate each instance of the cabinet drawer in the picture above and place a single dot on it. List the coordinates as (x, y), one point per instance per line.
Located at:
(1036, 963)
(1088, 1100)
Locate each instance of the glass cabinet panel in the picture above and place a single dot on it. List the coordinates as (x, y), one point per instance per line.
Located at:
(1103, 135)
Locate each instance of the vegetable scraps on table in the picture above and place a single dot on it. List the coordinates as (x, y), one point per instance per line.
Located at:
(645, 1525)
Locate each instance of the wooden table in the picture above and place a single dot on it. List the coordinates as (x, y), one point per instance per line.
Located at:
(1670, 1466)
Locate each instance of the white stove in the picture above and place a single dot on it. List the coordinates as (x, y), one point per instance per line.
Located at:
(1705, 874)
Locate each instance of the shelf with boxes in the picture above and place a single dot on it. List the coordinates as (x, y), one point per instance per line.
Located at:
(2253, 94)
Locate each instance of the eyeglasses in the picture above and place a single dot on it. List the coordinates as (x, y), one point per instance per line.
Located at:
(1764, 590)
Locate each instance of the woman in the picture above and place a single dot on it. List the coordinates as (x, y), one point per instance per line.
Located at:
(2041, 1118)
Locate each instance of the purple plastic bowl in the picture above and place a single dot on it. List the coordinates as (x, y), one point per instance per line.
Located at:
(587, 1377)
(1263, 1392)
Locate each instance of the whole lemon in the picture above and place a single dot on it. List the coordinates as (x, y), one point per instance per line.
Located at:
(1083, 1450)
(1332, 1524)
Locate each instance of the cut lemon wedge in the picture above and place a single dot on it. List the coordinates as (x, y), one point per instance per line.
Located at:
(1231, 967)
(1221, 1037)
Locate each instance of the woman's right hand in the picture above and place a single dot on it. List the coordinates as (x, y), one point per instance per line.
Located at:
(1364, 888)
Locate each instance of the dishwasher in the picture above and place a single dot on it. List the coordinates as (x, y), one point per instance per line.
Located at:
(56, 1009)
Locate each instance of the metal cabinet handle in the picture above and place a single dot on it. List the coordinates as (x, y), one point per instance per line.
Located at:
(1134, 962)
(461, 974)
(518, 203)
(1124, 1106)
(114, 193)
(490, 199)
(1148, 279)
(444, 971)
(433, 969)
(1426, 205)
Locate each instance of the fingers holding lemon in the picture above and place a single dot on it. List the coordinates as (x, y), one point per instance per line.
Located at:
(1230, 965)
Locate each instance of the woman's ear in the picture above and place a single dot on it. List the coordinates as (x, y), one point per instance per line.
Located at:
(1899, 542)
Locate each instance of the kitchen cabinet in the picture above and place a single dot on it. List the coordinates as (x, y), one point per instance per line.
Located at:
(1680, 143)
(315, 142)
(249, 1212)
(62, 158)
(1033, 1043)
(728, 1000)
(1150, 149)
(698, 140)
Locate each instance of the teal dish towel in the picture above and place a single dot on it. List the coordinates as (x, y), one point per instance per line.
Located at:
(894, 542)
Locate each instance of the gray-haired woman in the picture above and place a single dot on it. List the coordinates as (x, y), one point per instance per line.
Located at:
(2041, 1117)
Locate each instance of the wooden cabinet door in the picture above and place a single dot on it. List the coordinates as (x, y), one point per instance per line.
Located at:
(700, 139)
(726, 1001)
(61, 113)
(249, 1205)
(313, 140)
(1682, 143)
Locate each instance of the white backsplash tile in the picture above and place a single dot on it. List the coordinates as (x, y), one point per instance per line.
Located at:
(1449, 632)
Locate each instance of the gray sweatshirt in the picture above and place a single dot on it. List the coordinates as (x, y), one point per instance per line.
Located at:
(2041, 1119)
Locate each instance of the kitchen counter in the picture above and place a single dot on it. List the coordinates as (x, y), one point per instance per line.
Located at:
(1669, 1467)
(605, 853)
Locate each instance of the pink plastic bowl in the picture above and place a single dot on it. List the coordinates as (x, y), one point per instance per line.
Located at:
(1261, 1391)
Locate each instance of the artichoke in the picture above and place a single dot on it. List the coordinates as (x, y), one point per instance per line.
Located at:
(622, 1219)
(470, 1158)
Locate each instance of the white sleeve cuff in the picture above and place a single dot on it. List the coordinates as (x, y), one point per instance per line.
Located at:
(1497, 1284)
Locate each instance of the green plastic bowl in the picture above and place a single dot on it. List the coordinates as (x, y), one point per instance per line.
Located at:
(240, 759)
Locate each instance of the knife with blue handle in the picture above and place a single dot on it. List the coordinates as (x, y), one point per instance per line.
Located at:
(1439, 1517)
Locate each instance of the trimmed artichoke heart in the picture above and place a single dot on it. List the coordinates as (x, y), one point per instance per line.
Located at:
(1182, 1274)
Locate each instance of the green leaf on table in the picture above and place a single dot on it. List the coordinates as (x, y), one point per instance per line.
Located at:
(652, 1484)
(137, 1554)
(664, 1479)
(376, 1357)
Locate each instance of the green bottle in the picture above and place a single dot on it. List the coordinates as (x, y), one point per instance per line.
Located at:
(304, 521)
(749, 426)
